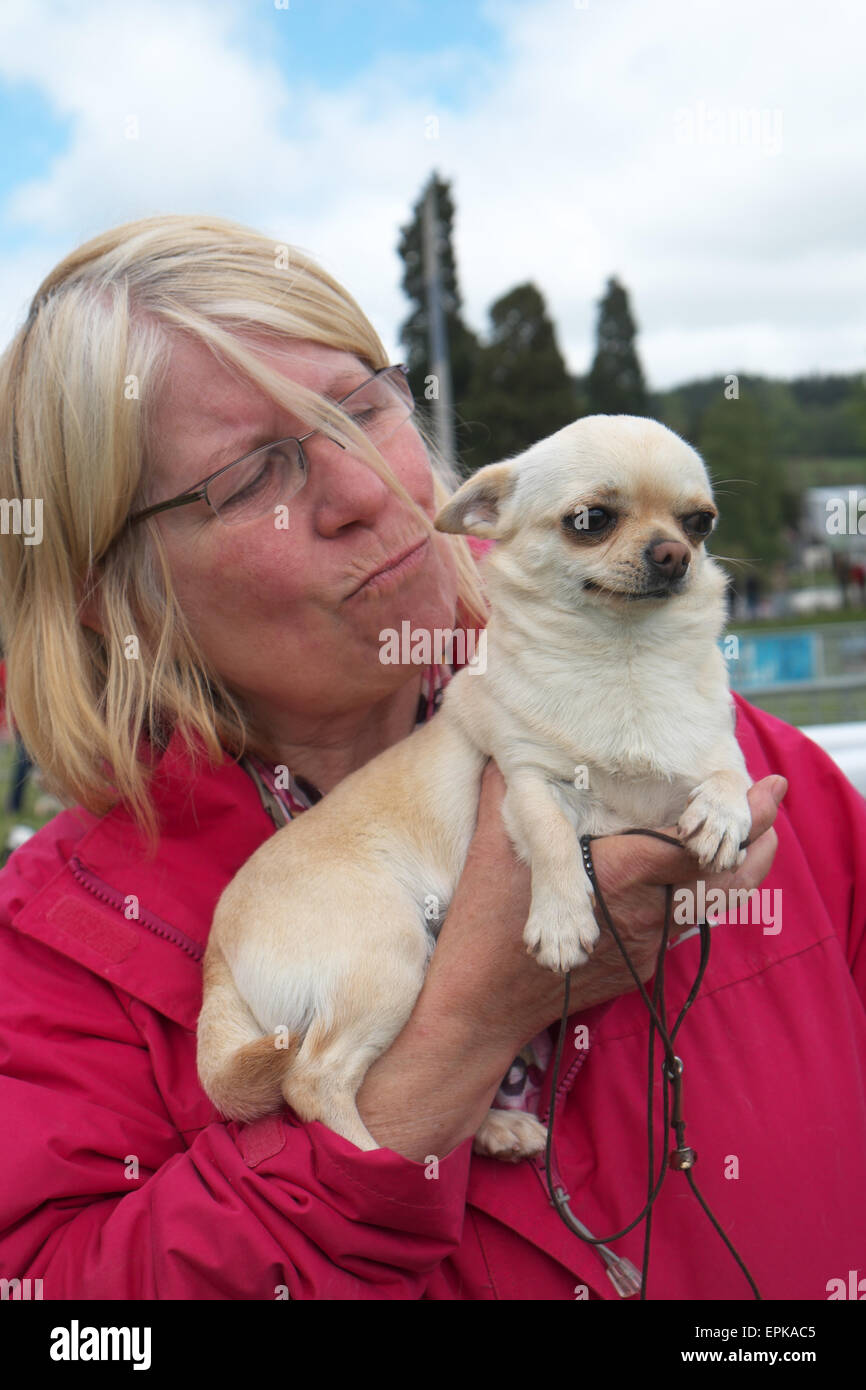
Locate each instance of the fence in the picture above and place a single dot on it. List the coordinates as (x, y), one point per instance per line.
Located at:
(802, 675)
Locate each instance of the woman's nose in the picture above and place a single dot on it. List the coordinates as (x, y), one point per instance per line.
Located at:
(343, 484)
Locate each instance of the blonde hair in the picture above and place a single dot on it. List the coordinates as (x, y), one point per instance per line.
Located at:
(76, 386)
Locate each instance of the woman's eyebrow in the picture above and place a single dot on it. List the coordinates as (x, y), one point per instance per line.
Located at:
(245, 443)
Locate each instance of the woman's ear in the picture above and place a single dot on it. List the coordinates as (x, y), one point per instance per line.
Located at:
(478, 506)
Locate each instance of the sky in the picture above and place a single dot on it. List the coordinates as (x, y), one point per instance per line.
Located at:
(708, 153)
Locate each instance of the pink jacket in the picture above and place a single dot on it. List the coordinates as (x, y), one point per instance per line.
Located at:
(121, 1181)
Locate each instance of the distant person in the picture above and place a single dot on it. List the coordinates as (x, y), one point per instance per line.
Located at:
(20, 777)
(858, 578)
(841, 568)
(753, 594)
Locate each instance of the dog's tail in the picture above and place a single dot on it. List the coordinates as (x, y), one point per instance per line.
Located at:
(241, 1071)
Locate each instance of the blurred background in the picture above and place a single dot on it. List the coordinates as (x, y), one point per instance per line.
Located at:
(548, 209)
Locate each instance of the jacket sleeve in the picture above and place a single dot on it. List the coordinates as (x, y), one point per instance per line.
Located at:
(828, 817)
(102, 1198)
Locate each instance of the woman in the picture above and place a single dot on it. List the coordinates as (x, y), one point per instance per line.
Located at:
(189, 678)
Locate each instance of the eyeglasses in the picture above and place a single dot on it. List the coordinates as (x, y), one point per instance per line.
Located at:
(253, 485)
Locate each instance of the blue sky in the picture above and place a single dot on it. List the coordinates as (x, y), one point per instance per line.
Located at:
(328, 44)
(30, 135)
(337, 39)
(705, 151)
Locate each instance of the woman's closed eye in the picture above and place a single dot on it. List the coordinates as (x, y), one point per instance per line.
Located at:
(273, 474)
(243, 490)
(366, 416)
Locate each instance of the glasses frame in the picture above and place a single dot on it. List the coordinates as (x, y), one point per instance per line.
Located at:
(199, 492)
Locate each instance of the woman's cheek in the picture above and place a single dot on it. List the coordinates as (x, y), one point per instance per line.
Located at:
(268, 566)
(412, 466)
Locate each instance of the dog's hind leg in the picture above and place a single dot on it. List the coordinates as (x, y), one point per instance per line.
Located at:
(322, 1085)
(510, 1135)
(239, 1069)
(333, 1060)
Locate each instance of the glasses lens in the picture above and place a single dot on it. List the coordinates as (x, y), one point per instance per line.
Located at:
(258, 483)
(382, 405)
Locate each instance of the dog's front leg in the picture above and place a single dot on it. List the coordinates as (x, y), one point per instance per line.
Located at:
(718, 818)
(561, 929)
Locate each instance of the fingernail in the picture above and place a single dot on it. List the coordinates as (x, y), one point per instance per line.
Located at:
(778, 788)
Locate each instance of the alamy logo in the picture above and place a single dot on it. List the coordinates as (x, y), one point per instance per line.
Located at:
(742, 905)
(22, 1289)
(854, 1289)
(420, 647)
(75, 1343)
(22, 518)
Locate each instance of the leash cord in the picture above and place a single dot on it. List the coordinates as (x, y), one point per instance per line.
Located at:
(682, 1157)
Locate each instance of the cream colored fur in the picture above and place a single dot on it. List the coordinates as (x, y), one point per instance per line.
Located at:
(602, 711)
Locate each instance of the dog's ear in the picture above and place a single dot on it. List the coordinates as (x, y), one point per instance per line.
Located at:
(477, 507)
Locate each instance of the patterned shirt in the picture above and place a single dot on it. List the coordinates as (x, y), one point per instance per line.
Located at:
(521, 1086)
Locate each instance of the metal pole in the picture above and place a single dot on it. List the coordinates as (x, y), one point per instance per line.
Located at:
(443, 413)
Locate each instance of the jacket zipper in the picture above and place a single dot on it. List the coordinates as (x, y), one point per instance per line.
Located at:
(552, 1105)
(104, 891)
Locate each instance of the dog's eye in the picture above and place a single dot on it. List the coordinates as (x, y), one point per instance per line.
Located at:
(591, 519)
(700, 522)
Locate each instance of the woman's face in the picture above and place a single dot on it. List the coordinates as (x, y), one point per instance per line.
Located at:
(279, 612)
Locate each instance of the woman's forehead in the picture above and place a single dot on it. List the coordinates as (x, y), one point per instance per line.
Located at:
(197, 386)
(313, 365)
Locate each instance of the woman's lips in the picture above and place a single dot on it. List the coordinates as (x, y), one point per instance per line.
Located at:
(395, 573)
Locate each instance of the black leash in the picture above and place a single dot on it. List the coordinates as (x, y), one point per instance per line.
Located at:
(682, 1157)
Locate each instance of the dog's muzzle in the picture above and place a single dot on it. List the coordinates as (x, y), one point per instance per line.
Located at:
(666, 589)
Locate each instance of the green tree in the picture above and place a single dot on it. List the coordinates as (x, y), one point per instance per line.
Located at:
(616, 383)
(521, 390)
(857, 412)
(738, 445)
(810, 417)
(671, 408)
(462, 342)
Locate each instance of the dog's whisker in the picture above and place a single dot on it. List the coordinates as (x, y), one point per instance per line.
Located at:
(737, 559)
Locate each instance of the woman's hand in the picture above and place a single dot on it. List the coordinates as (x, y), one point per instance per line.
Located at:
(481, 972)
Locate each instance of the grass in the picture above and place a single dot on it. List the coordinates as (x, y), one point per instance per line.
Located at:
(834, 615)
(803, 708)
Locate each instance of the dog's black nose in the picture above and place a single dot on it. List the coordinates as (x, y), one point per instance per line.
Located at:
(670, 558)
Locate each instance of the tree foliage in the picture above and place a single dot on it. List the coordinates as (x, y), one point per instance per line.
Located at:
(520, 391)
(462, 342)
(739, 447)
(616, 383)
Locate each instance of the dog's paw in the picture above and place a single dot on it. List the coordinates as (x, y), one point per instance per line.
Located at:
(715, 823)
(558, 937)
(510, 1135)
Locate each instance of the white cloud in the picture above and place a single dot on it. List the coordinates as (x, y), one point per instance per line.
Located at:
(609, 140)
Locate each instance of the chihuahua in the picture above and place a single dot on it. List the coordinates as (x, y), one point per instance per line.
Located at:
(605, 704)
